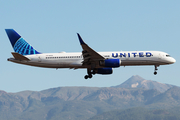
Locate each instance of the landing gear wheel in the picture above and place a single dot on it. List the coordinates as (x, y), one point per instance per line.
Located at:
(86, 77)
(155, 73)
(155, 69)
(90, 76)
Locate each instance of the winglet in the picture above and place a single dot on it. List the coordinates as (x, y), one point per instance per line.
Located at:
(80, 39)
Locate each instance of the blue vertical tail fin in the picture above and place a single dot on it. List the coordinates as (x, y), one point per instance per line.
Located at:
(19, 44)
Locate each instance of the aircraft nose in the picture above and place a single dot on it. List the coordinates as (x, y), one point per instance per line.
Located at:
(173, 60)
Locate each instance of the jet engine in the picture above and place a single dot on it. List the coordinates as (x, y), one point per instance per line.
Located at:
(104, 71)
(110, 63)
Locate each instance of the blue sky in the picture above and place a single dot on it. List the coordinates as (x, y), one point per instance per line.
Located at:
(51, 26)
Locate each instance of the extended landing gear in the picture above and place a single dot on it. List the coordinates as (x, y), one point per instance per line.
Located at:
(90, 74)
(155, 73)
(155, 70)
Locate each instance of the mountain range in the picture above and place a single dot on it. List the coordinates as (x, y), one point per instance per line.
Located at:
(82, 103)
(138, 82)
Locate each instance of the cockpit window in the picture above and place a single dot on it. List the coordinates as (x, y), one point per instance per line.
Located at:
(168, 56)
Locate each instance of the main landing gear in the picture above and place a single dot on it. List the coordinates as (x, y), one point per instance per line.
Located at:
(90, 74)
(87, 76)
(155, 70)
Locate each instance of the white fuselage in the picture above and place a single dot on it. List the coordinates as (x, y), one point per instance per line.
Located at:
(75, 60)
(95, 62)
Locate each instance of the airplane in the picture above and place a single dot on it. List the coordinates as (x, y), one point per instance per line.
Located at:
(95, 62)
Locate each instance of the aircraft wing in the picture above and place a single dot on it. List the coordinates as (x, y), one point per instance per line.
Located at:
(88, 53)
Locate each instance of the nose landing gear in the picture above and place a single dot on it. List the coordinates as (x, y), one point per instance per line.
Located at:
(155, 70)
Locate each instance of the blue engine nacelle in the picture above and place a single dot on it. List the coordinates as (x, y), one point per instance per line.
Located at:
(110, 63)
(104, 71)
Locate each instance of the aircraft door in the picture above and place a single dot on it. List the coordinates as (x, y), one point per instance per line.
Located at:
(160, 56)
(38, 58)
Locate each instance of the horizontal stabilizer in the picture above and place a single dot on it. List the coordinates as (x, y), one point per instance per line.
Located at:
(20, 57)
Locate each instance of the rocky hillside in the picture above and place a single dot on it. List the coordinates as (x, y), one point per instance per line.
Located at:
(138, 82)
